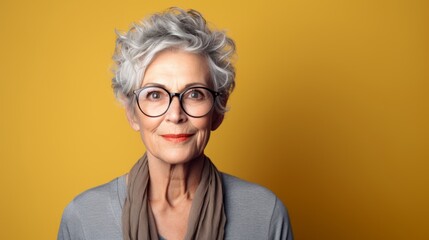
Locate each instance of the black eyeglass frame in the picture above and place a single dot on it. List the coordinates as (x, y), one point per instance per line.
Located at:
(178, 95)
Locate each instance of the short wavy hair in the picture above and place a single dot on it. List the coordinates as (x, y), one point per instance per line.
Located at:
(173, 29)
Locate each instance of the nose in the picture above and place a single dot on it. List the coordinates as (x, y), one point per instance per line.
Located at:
(175, 113)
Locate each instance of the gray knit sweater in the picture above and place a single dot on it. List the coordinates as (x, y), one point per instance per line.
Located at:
(252, 211)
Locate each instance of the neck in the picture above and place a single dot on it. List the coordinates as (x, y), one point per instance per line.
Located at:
(173, 183)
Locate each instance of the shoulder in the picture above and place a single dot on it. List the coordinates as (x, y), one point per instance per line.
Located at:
(243, 197)
(253, 211)
(237, 188)
(98, 192)
(94, 198)
(91, 210)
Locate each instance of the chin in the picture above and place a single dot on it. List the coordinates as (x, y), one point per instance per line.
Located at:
(176, 157)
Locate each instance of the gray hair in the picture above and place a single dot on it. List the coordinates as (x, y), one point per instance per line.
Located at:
(172, 29)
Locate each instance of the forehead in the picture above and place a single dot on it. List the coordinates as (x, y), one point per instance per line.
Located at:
(176, 69)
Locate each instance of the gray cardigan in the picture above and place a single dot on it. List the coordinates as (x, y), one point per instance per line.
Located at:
(252, 211)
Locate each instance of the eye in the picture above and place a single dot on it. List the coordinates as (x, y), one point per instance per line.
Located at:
(196, 94)
(154, 95)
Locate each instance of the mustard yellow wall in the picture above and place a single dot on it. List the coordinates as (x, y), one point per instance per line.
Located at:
(330, 110)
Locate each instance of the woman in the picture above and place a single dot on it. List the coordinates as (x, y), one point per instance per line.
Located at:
(174, 76)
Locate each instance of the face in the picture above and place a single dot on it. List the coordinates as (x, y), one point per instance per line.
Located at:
(175, 137)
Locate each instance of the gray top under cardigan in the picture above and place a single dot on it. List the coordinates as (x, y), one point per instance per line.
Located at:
(252, 211)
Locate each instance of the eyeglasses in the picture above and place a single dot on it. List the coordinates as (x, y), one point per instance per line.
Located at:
(195, 101)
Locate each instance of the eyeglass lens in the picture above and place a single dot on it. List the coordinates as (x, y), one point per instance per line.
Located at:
(155, 101)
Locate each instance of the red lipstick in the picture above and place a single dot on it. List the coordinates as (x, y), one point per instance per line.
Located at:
(177, 138)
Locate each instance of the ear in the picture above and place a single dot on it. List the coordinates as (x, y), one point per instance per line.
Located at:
(217, 120)
(132, 118)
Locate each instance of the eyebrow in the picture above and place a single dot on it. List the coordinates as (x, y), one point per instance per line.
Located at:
(189, 85)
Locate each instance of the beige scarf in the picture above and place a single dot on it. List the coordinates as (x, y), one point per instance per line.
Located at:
(207, 217)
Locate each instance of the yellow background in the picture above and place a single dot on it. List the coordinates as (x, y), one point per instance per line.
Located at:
(330, 110)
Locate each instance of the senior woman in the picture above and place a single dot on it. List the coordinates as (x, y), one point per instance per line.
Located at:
(174, 76)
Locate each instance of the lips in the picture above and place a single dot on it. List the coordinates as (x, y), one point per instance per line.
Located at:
(177, 137)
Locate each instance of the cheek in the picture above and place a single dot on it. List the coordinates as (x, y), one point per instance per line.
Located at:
(204, 128)
(203, 124)
(148, 127)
